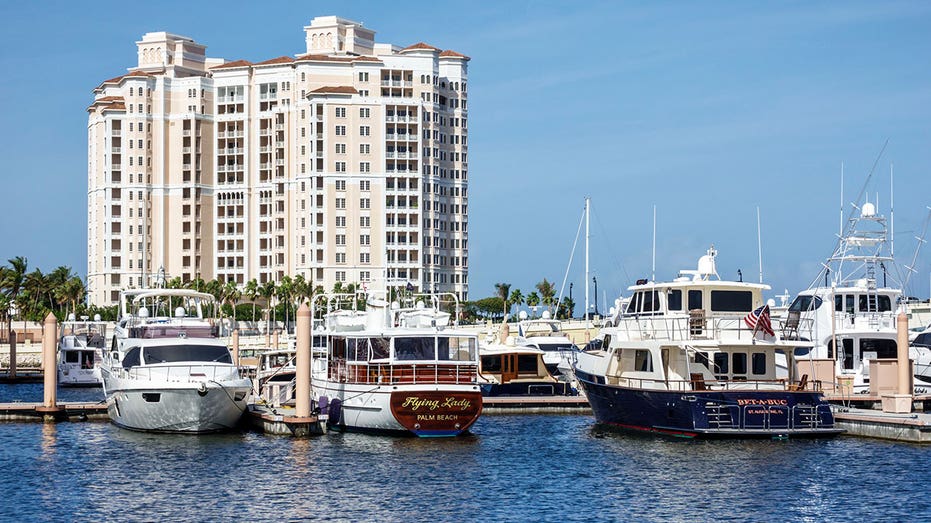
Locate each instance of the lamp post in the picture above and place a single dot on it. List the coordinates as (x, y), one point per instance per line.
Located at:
(595, 281)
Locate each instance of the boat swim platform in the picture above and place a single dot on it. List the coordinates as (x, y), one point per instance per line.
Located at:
(64, 411)
(535, 405)
(283, 421)
(914, 427)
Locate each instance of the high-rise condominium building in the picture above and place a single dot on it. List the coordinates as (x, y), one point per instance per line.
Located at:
(345, 163)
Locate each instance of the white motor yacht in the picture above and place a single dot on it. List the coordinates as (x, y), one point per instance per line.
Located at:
(166, 370)
(80, 351)
(559, 352)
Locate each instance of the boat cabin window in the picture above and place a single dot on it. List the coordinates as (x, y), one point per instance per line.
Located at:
(739, 363)
(695, 301)
(674, 300)
(634, 305)
(380, 348)
(643, 361)
(874, 303)
(758, 363)
(527, 364)
(491, 363)
(805, 303)
(339, 348)
(650, 302)
(131, 359)
(701, 358)
(720, 363)
(415, 348)
(358, 349)
(71, 356)
(843, 303)
(923, 340)
(456, 349)
(176, 353)
(846, 355)
(879, 348)
(731, 301)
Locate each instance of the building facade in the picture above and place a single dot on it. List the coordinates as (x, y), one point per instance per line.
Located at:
(346, 163)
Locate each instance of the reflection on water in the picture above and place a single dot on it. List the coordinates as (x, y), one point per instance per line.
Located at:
(554, 468)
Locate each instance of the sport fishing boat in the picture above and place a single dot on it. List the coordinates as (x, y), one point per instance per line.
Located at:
(398, 370)
(854, 309)
(696, 358)
(167, 371)
(508, 369)
(80, 350)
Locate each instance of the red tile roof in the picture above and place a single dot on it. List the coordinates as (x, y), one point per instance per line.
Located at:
(420, 45)
(119, 79)
(279, 60)
(230, 65)
(367, 59)
(324, 58)
(453, 54)
(338, 89)
(110, 103)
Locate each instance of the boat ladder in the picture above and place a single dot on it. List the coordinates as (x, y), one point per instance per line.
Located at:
(719, 416)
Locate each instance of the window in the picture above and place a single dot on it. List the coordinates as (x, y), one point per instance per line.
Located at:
(341, 203)
(365, 203)
(340, 112)
(695, 301)
(365, 167)
(340, 130)
(739, 362)
(365, 130)
(731, 301)
(364, 258)
(340, 276)
(643, 361)
(365, 185)
(365, 148)
(363, 77)
(340, 167)
(340, 185)
(364, 239)
(340, 239)
(805, 303)
(340, 221)
(365, 221)
(341, 257)
(365, 112)
(720, 363)
(758, 363)
(340, 148)
(874, 303)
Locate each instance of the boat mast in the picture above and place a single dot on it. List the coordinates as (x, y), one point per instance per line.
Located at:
(587, 206)
(759, 241)
(892, 211)
(653, 271)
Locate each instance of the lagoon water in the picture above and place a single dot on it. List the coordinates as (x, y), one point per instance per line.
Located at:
(511, 468)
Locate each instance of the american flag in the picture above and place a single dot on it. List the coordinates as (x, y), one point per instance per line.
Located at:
(759, 320)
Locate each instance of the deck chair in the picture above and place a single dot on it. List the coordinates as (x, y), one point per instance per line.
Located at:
(698, 381)
(801, 385)
(790, 327)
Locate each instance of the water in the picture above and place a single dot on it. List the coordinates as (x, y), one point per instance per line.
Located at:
(512, 468)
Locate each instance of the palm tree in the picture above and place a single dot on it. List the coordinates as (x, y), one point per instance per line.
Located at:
(301, 288)
(34, 296)
(501, 291)
(72, 291)
(267, 291)
(251, 291)
(547, 292)
(285, 292)
(517, 298)
(533, 300)
(12, 284)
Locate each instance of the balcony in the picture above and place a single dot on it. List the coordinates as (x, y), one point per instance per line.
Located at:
(116, 133)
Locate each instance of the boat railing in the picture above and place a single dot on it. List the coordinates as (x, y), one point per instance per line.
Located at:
(698, 385)
(154, 331)
(186, 373)
(278, 393)
(687, 327)
(403, 373)
(768, 417)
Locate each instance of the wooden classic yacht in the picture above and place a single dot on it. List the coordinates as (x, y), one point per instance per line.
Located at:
(508, 369)
(682, 360)
(166, 370)
(393, 370)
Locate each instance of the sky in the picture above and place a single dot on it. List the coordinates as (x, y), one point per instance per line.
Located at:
(707, 111)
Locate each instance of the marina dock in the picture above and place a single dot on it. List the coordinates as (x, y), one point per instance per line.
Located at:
(914, 427)
(536, 405)
(64, 411)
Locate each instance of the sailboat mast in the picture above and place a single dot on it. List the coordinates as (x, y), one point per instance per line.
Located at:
(892, 212)
(587, 203)
(759, 242)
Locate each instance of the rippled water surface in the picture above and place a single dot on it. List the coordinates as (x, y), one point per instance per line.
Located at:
(511, 468)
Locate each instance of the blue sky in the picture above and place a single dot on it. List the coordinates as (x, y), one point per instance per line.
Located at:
(707, 110)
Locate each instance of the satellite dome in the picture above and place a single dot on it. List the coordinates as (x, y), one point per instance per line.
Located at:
(868, 210)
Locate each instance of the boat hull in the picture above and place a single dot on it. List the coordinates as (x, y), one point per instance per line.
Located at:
(532, 389)
(187, 407)
(710, 414)
(419, 410)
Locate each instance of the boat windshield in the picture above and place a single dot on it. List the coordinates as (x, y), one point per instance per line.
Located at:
(432, 348)
(186, 353)
(805, 303)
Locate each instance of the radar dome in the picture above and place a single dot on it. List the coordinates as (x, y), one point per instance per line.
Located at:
(522, 315)
(546, 315)
(179, 312)
(868, 210)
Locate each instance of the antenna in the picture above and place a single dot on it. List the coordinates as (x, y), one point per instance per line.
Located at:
(587, 203)
(759, 241)
(892, 212)
(840, 231)
(653, 274)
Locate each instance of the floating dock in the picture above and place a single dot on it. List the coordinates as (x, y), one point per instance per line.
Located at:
(64, 411)
(283, 421)
(535, 405)
(914, 427)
